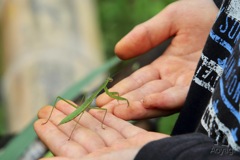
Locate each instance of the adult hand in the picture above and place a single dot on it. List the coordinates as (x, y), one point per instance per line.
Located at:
(89, 141)
(161, 87)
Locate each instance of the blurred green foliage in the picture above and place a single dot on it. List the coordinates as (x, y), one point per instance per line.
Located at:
(3, 125)
(118, 17)
(166, 124)
(2, 120)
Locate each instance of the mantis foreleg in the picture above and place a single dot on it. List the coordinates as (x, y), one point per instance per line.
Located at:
(72, 104)
(115, 95)
(75, 125)
(105, 110)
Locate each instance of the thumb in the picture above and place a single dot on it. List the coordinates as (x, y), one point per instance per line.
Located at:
(146, 36)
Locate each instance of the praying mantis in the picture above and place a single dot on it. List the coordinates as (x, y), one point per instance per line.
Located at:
(86, 104)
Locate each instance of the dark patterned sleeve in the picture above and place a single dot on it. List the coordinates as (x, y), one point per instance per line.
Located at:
(195, 146)
(218, 3)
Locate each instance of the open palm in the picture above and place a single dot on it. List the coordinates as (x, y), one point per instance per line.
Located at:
(160, 88)
(89, 140)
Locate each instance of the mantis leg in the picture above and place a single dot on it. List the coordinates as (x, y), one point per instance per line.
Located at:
(75, 125)
(115, 95)
(105, 112)
(58, 98)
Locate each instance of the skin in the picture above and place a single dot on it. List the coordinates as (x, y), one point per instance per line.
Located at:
(160, 88)
(89, 139)
(157, 89)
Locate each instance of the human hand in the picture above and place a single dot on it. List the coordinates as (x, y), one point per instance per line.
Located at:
(161, 87)
(119, 140)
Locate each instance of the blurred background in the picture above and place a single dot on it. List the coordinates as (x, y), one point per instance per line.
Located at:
(46, 46)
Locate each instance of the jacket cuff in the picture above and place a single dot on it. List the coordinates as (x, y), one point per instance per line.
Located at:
(195, 146)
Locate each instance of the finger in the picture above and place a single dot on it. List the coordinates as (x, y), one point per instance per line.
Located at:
(125, 128)
(135, 111)
(138, 94)
(44, 112)
(134, 81)
(107, 134)
(135, 98)
(172, 98)
(77, 133)
(128, 130)
(146, 35)
(56, 140)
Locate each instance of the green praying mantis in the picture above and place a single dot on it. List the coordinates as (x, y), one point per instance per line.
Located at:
(86, 104)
